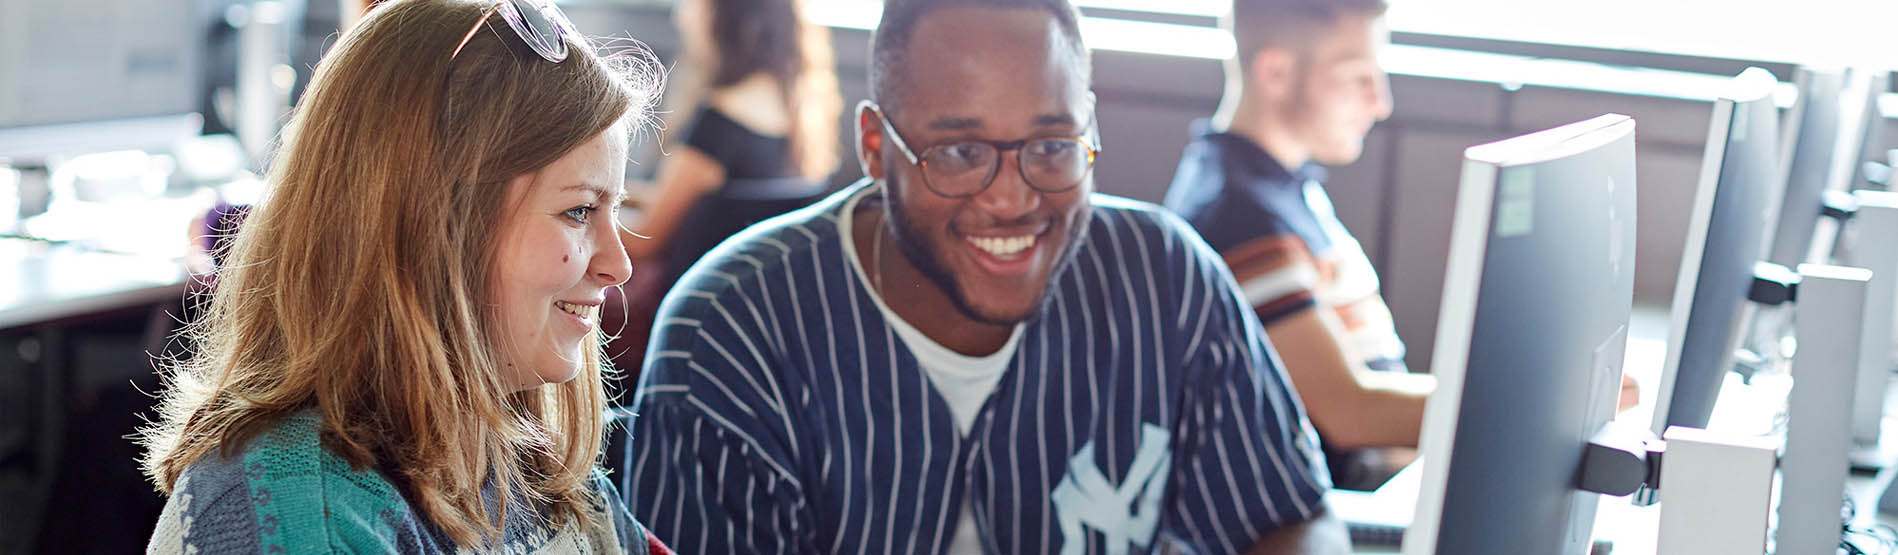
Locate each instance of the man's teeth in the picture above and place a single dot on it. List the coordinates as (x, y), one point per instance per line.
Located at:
(577, 310)
(1003, 246)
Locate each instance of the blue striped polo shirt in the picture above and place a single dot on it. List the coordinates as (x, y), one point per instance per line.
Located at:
(779, 413)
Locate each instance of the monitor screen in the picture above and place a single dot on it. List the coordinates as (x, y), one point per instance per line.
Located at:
(1732, 204)
(1873, 146)
(1808, 163)
(90, 60)
(89, 75)
(1530, 341)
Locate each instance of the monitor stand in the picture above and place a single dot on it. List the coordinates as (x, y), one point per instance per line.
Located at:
(1831, 308)
(1874, 222)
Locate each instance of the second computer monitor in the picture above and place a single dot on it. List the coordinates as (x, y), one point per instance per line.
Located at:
(1530, 341)
(1807, 163)
(1732, 203)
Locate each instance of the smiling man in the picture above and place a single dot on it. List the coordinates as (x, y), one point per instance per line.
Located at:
(971, 351)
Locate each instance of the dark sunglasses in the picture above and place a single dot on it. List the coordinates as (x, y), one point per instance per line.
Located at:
(537, 22)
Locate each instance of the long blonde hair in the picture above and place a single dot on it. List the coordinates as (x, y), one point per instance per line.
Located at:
(361, 288)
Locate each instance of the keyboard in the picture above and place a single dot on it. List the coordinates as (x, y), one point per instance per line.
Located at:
(1372, 534)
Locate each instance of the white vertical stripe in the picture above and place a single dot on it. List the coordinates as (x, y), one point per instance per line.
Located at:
(725, 426)
(774, 333)
(1157, 326)
(1179, 482)
(843, 420)
(698, 474)
(1271, 453)
(1209, 497)
(776, 396)
(896, 485)
(958, 475)
(851, 287)
(718, 499)
(923, 394)
(1136, 360)
(1067, 368)
(1241, 489)
(1041, 432)
(678, 458)
(1014, 446)
(1113, 338)
(1191, 278)
(758, 363)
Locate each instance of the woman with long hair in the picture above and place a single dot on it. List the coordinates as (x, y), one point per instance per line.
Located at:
(758, 111)
(402, 353)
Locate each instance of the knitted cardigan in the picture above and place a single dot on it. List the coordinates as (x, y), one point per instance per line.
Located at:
(285, 493)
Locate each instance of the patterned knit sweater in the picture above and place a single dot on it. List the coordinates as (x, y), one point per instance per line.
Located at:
(285, 493)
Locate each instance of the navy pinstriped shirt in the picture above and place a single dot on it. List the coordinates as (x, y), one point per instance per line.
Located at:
(778, 412)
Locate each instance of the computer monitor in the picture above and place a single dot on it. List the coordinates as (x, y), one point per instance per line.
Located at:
(82, 76)
(1808, 163)
(1530, 341)
(1872, 137)
(1732, 203)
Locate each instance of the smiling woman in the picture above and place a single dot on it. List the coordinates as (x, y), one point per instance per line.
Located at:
(548, 308)
(402, 354)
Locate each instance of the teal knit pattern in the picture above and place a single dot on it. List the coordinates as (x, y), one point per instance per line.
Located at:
(285, 493)
(294, 481)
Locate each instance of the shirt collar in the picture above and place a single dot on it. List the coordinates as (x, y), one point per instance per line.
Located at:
(1250, 157)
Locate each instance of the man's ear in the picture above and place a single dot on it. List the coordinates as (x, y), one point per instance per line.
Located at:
(1271, 72)
(869, 140)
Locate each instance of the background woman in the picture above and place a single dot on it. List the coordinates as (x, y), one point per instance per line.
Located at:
(759, 111)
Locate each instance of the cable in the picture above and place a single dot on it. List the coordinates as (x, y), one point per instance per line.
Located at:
(1877, 539)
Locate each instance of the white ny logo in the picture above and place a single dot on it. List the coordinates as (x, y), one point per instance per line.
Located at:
(1085, 497)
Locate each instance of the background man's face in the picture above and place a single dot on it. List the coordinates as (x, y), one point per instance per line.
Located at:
(1340, 91)
(992, 74)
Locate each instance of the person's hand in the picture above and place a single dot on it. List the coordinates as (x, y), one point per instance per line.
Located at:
(1630, 394)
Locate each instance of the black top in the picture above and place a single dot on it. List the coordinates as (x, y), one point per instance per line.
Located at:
(761, 181)
(745, 154)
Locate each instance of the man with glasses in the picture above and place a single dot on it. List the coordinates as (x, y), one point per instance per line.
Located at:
(970, 351)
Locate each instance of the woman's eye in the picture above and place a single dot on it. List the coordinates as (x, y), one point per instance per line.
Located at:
(579, 213)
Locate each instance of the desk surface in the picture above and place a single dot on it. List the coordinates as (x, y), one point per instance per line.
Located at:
(44, 283)
(1635, 530)
(116, 255)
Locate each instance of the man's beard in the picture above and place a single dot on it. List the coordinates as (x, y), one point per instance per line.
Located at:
(922, 255)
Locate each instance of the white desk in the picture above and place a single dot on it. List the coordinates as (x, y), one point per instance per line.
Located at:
(123, 254)
(45, 283)
(1635, 530)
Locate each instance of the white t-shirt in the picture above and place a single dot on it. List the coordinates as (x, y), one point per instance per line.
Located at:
(964, 382)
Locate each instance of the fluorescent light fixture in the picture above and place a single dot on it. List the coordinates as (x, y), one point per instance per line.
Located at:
(1165, 39)
(1119, 35)
(1203, 8)
(1210, 43)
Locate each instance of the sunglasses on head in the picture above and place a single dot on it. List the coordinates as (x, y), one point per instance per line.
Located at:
(537, 22)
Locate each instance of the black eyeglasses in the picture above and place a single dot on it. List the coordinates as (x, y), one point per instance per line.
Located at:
(537, 22)
(965, 169)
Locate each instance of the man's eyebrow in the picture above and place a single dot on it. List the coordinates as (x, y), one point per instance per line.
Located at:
(965, 124)
(1045, 120)
(955, 124)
